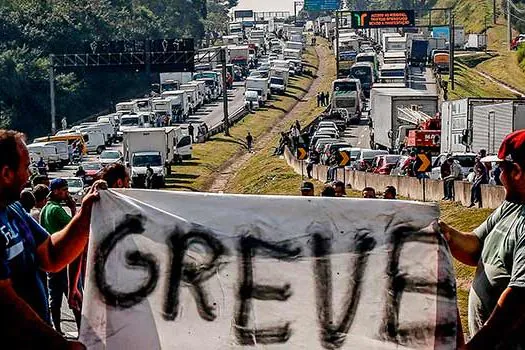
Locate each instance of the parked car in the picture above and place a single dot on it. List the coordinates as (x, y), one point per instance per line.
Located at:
(363, 162)
(76, 188)
(110, 156)
(397, 169)
(466, 161)
(92, 170)
(384, 163)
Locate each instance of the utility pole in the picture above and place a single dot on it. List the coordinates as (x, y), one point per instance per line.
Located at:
(509, 29)
(337, 44)
(486, 34)
(494, 11)
(451, 44)
(52, 94)
(226, 121)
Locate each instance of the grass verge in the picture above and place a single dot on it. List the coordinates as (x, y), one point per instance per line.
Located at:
(210, 157)
(268, 174)
(471, 84)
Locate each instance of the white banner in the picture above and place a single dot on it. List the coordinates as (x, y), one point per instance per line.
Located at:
(172, 270)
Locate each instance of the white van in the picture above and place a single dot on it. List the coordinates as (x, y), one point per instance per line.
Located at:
(94, 138)
(47, 152)
(62, 150)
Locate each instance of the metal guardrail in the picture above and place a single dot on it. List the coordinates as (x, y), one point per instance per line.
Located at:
(233, 118)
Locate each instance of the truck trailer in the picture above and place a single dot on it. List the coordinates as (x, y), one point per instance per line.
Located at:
(388, 105)
(471, 124)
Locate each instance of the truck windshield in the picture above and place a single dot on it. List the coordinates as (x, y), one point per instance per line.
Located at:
(130, 121)
(169, 86)
(393, 73)
(278, 81)
(366, 59)
(345, 86)
(176, 99)
(142, 160)
(344, 103)
(364, 74)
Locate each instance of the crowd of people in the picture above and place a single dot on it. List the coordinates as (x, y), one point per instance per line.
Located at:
(338, 189)
(323, 98)
(39, 240)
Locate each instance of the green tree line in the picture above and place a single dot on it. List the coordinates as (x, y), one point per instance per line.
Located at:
(33, 29)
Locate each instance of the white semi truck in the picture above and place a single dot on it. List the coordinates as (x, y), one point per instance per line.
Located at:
(472, 124)
(389, 105)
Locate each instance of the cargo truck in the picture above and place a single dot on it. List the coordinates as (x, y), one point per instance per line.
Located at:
(347, 94)
(418, 52)
(385, 113)
(471, 124)
(149, 146)
(239, 55)
(178, 102)
(279, 80)
(476, 42)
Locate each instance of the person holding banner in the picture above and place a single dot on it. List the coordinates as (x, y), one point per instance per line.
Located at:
(496, 310)
(26, 249)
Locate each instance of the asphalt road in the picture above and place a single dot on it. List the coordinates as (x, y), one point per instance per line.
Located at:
(211, 114)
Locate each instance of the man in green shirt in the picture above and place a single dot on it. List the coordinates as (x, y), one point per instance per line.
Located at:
(496, 311)
(54, 218)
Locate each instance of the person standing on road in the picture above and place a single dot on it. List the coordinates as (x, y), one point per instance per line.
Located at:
(321, 97)
(190, 132)
(149, 177)
(339, 188)
(54, 218)
(318, 99)
(26, 249)
(249, 141)
(445, 172)
(327, 98)
(496, 307)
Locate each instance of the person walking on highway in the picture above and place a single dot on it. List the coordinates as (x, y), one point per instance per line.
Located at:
(190, 132)
(480, 178)
(249, 141)
(54, 218)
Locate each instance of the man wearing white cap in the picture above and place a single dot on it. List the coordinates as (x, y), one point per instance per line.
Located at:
(496, 311)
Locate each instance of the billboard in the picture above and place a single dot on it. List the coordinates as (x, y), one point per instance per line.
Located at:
(322, 5)
(381, 19)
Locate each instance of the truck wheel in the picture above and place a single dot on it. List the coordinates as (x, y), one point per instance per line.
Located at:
(100, 149)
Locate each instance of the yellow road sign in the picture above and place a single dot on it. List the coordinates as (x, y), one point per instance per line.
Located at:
(301, 153)
(423, 162)
(344, 158)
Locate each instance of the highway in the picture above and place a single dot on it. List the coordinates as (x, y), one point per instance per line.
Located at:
(211, 114)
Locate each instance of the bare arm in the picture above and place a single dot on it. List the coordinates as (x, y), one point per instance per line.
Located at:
(62, 247)
(26, 329)
(465, 246)
(507, 318)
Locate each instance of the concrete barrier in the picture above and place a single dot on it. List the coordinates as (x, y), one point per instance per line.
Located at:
(408, 187)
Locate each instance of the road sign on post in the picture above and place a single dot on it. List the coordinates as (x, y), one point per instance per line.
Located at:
(322, 5)
(382, 19)
(423, 165)
(301, 153)
(343, 158)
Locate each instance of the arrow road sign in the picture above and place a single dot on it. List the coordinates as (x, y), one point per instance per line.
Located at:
(423, 163)
(301, 153)
(343, 158)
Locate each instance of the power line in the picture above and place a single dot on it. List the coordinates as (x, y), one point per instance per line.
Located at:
(516, 8)
(519, 19)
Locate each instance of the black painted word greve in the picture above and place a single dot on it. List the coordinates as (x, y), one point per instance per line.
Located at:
(332, 333)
